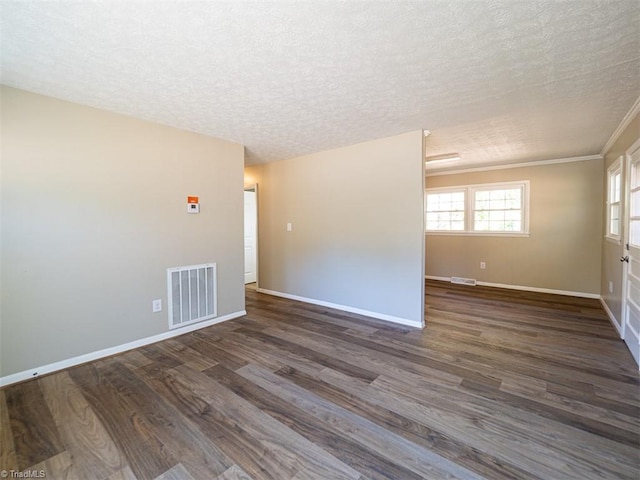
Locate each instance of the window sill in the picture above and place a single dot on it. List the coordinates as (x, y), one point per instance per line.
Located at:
(614, 240)
(478, 234)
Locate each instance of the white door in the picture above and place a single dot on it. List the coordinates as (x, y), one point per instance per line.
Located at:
(631, 307)
(250, 222)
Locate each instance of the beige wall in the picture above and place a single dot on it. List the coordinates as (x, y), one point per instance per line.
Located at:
(563, 249)
(611, 252)
(357, 218)
(93, 213)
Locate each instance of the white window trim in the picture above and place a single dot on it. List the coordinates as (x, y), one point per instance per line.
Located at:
(470, 190)
(615, 167)
(447, 190)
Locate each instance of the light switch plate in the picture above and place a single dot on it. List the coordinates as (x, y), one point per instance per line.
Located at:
(156, 305)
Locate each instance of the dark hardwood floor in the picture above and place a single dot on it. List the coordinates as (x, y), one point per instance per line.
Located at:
(501, 384)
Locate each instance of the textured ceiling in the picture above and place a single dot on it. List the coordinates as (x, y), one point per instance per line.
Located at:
(495, 81)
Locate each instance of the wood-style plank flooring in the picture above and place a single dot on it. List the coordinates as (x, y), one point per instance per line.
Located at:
(500, 384)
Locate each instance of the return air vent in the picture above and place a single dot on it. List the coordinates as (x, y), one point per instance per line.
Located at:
(463, 281)
(192, 294)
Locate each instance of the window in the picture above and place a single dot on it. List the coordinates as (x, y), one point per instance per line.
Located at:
(445, 211)
(614, 193)
(489, 209)
(498, 210)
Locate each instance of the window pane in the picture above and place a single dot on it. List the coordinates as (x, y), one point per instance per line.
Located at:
(434, 219)
(615, 211)
(634, 233)
(615, 226)
(496, 215)
(614, 194)
(498, 199)
(499, 204)
(512, 194)
(614, 219)
(635, 203)
(433, 202)
(498, 210)
(482, 225)
(513, 226)
(497, 195)
(445, 211)
(635, 181)
(513, 203)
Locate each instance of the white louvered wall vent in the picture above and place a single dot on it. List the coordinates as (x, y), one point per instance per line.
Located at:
(463, 281)
(192, 294)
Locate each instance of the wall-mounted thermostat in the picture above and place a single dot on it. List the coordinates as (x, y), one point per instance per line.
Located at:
(193, 205)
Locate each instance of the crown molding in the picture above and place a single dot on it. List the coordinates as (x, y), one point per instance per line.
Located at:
(635, 109)
(516, 165)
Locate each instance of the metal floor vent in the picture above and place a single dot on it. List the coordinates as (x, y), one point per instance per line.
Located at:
(463, 281)
(192, 294)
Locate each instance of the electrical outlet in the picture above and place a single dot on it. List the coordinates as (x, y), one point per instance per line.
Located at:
(483, 265)
(156, 305)
(610, 287)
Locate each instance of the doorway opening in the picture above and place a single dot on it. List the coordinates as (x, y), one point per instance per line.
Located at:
(251, 236)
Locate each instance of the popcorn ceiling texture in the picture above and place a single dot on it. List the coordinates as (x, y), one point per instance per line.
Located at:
(493, 80)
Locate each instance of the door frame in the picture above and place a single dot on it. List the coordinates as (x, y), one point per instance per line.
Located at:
(626, 234)
(248, 188)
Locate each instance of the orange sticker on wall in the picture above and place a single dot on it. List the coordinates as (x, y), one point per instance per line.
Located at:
(192, 200)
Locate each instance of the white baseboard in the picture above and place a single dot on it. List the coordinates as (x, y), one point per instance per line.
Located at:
(612, 317)
(633, 344)
(524, 288)
(346, 308)
(107, 352)
(441, 279)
